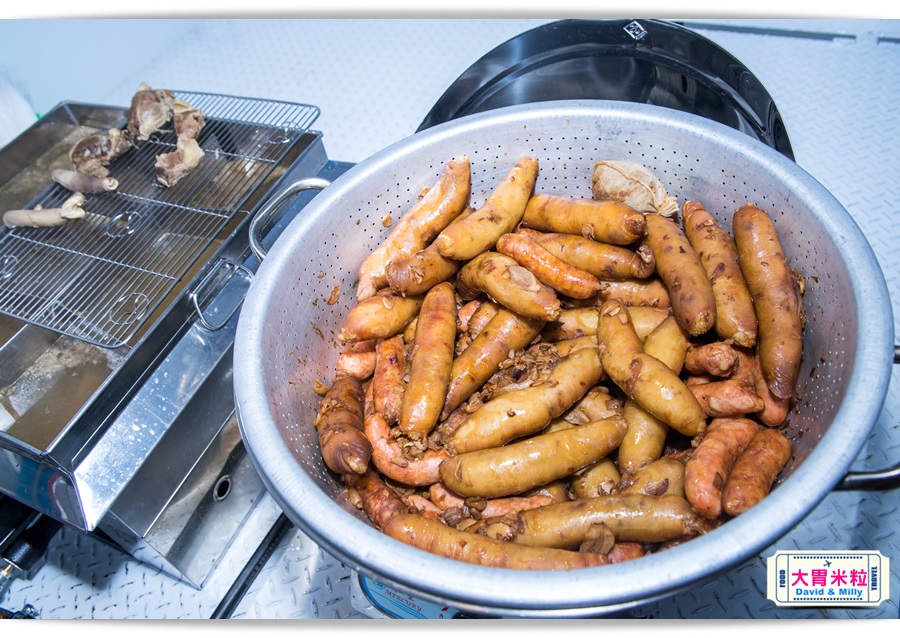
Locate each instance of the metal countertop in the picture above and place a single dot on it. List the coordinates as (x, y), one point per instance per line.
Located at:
(834, 82)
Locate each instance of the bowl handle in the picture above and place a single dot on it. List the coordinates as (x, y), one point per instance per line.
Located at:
(266, 213)
(877, 480)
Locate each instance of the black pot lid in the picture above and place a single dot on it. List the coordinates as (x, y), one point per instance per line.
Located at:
(647, 61)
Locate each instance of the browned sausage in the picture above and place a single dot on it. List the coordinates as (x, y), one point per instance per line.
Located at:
(388, 378)
(743, 371)
(776, 298)
(509, 284)
(775, 410)
(707, 468)
(679, 266)
(506, 332)
(631, 517)
(662, 476)
(600, 479)
(423, 506)
(470, 547)
(755, 471)
(499, 214)
(380, 316)
(430, 363)
(579, 322)
(727, 398)
(358, 359)
(646, 436)
(735, 316)
(444, 498)
(523, 465)
(547, 267)
(379, 501)
(604, 261)
(418, 273)
(651, 292)
(571, 323)
(719, 359)
(391, 458)
(567, 346)
(643, 378)
(526, 411)
(604, 221)
(440, 205)
(339, 423)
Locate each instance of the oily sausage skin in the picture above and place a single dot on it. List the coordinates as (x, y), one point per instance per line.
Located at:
(390, 458)
(526, 411)
(775, 411)
(506, 332)
(643, 378)
(437, 538)
(421, 271)
(418, 273)
(339, 423)
(776, 298)
(499, 214)
(382, 315)
(604, 221)
(440, 205)
(430, 363)
(604, 261)
(502, 279)
(727, 398)
(755, 471)
(523, 465)
(631, 517)
(706, 471)
(719, 359)
(388, 377)
(679, 266)
(548, 268)
(735, 316)
(646, 436)
(651, 292)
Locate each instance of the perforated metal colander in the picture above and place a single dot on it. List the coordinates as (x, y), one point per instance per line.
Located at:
(286, 337)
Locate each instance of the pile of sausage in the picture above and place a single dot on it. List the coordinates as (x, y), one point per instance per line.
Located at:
(553, 382)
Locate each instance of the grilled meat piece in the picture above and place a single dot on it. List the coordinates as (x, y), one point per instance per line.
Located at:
(93, 154)
(150, 110)
(171, 167)
(189, 121)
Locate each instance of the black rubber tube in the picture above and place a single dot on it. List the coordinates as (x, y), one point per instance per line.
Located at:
(251, 570)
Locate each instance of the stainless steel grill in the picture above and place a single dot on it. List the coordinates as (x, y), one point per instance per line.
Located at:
(100, 278)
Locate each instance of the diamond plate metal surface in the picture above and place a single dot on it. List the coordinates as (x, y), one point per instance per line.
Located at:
(300, 581)
(833, 82)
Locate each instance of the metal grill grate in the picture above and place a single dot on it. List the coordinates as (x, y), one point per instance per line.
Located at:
(98, 278)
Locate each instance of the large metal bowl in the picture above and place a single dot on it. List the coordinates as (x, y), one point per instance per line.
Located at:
(286, 337)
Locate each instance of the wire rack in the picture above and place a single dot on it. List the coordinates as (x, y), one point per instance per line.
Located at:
(98, 278)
